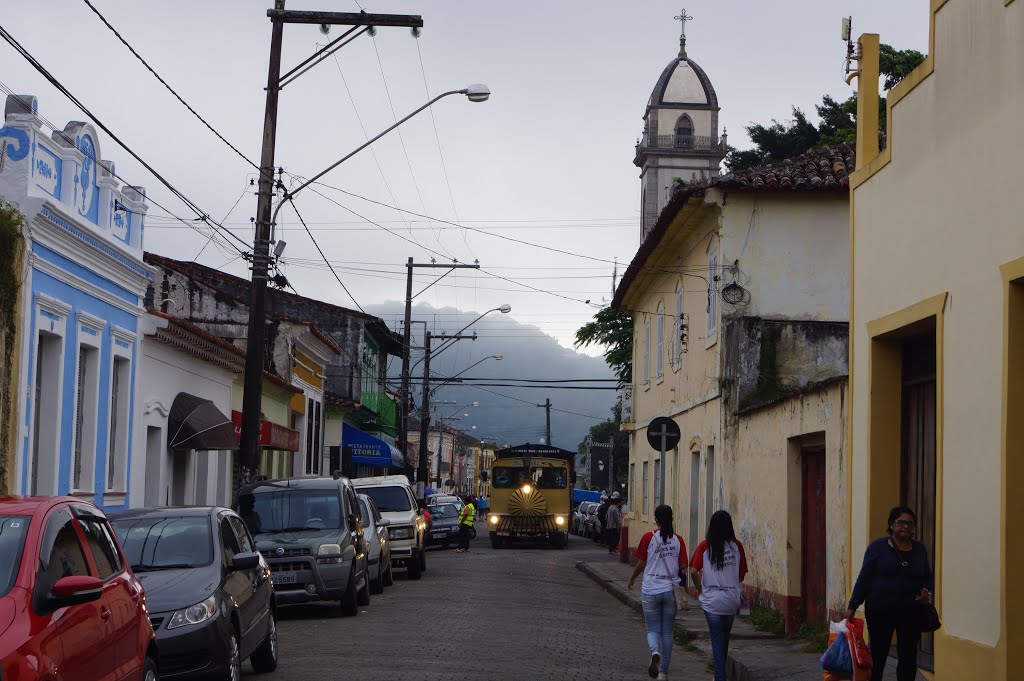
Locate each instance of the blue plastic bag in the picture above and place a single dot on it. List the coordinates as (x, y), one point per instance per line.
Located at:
(837, 658)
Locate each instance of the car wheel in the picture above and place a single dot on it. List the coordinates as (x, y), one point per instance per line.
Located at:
(234, 659)
(377, 585)
(264, 659)
(149, 670)
(423, 561)
(349, 599)
(495, 541)
(363, 595)
(414, 568)
(389, 577)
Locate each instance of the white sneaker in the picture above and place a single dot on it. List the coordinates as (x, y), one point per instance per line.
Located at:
(662, 676)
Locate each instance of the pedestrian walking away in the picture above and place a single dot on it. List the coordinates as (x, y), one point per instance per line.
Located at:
(613, 522)
(602, 512)
(894, 585)
(661, 557)
(718, 566)
(481, 509)
(466, 517)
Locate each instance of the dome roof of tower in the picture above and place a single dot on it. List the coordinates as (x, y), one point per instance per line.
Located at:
(683, 82)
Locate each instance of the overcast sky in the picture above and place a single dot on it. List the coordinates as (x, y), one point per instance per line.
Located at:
(547, 160)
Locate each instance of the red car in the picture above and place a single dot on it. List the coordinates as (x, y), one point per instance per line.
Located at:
(70, 607)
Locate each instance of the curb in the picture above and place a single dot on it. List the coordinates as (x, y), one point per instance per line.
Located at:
(736, 670)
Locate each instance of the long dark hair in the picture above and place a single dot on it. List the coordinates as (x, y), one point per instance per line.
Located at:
(719, 531)
(663, 516)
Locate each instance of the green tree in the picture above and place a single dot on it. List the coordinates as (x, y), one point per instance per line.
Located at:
(837, 120)
(613, 329)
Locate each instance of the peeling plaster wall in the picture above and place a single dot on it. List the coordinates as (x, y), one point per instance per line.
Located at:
(762, 479)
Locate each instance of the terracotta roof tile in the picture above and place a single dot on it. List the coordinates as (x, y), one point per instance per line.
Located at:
(826, 168)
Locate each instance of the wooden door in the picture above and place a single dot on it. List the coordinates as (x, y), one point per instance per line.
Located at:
(695, 529)
(918, 451)
(813, 572)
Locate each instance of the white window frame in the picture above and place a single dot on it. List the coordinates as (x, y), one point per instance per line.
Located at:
(85, 445)
(122, 346)
(659, 362)
(712, 308)
(647, 351)
(646, 480)
(51, 318)
(677, 345)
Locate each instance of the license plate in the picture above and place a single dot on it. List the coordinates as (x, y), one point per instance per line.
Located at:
(439, 533)
(283, 578)
(504, 534)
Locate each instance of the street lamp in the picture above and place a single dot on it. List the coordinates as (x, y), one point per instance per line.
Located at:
(504, 309)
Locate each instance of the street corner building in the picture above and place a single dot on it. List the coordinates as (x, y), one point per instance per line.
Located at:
(937, 321)
(83, 283)
(740, 298)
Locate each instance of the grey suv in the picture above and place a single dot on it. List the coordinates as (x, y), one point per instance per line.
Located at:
(310, 533)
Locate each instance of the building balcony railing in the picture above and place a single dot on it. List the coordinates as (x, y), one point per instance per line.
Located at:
(384, 406)
(684, 142)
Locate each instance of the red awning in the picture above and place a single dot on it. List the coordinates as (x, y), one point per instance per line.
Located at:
(272, 436)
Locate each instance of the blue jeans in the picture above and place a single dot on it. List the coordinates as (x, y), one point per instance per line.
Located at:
(659, 613)
(719, 627)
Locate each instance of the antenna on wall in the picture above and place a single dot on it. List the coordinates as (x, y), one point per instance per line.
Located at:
(846, 34)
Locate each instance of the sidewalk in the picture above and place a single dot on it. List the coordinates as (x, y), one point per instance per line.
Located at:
(753, 655)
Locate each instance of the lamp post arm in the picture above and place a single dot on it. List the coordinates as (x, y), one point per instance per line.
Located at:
(352, 153)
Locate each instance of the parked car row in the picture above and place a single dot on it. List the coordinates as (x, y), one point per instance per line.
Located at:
(192, 591)
(585, 522)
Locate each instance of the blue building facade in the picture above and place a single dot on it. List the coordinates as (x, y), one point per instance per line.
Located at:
(84, 285)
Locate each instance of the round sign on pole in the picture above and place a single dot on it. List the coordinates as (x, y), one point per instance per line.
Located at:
(663, 434)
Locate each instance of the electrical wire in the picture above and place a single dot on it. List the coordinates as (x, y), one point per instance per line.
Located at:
(169, 88)
(320, 250)
(203, 215)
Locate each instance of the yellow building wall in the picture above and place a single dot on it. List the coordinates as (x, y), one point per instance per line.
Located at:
(688, 389)
(934, 218)
(762, 478)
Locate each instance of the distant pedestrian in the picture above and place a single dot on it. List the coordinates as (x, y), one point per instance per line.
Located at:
(613, 522)
(602, 512)
(718, 566)
(481, 509)
(894, 583)
(661, 557)
(466, 517)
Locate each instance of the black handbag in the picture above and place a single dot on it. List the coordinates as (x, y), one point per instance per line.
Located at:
(929, 618)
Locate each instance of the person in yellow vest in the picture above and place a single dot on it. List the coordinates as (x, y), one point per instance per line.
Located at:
(466, 518)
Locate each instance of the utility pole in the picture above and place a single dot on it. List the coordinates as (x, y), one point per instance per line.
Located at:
(421, 474)
(252, 396)
(403, 407)
(547, 428)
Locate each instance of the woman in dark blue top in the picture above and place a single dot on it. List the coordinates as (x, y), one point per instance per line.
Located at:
(894, 583)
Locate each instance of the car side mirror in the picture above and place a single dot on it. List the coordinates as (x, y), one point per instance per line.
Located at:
(352, 523)
(419, 511)
(74, 590)
(244, 561)
(383, 522)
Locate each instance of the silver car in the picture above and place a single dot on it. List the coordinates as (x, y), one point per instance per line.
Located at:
(375, 531)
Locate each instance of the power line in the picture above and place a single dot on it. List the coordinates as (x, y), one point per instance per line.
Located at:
(203, 215)
(320, 250)
(169, 88)
(534, 404)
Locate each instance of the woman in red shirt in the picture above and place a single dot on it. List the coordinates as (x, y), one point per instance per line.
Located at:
(662, 559)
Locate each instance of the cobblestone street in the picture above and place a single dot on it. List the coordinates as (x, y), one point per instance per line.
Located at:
(523, 613)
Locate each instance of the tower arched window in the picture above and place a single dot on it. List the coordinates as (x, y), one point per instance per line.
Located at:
(684, 132)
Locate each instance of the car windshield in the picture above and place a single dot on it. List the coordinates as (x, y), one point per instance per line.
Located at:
(165, 542)
(290, 510)
(444, 511)
(13, 529)
(389, 498)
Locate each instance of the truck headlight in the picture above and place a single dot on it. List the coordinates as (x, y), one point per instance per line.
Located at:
(559, 520)
(328, 554)
(194, 614)
(493, 520)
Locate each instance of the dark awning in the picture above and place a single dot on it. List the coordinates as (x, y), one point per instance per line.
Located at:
(195, 423)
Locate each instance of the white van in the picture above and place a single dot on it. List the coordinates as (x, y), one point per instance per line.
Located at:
(407, 528)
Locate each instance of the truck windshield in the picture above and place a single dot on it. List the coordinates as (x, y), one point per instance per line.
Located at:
(291, 510)
(544, 477)
(167, 542)
(13, 529)
(389, 498)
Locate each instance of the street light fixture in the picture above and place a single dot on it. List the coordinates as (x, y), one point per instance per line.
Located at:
(503, 309)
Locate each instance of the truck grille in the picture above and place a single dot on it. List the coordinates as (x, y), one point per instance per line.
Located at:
(526, 524)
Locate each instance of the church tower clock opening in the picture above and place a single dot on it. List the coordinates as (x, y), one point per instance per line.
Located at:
(680, 140)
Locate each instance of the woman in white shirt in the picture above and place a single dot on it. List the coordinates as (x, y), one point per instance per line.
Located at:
(718, 566)
(662, 558)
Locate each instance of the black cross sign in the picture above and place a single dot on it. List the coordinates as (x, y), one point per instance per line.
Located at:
(663, 434)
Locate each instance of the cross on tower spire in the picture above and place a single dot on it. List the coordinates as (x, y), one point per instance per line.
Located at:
(683, 18)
